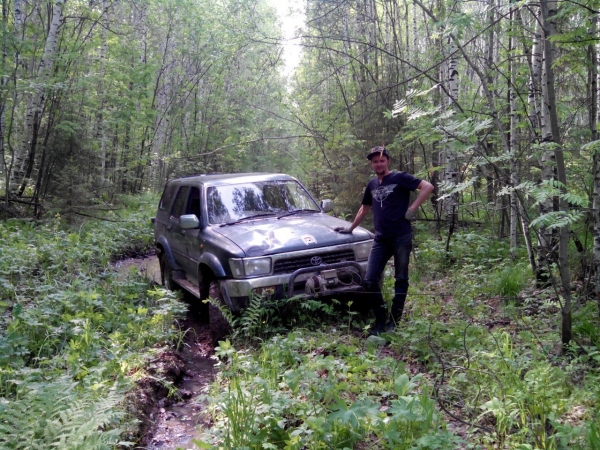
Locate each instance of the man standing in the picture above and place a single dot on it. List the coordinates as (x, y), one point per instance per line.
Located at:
(388, 195)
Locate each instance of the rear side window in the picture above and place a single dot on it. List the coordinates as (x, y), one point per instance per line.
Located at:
(181, 202)
(167, 198)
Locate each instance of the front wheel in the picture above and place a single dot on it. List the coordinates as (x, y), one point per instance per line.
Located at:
(219, 325)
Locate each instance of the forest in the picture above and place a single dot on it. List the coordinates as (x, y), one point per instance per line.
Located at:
(494, 102)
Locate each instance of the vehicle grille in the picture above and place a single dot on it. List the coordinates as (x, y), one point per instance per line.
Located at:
(289, 265)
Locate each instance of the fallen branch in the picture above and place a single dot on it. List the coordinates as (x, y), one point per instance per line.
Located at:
(94, 217)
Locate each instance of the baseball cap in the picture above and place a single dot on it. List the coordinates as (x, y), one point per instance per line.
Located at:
(381, 151)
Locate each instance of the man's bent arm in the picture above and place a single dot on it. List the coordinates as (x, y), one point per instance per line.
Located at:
(360, 216)
(425, 189)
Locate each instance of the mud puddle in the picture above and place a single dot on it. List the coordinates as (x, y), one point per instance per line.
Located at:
(147, 265)
(178, 418)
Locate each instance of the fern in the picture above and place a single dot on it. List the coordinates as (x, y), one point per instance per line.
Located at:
(59, 415)
(252, 317)
(223, 308)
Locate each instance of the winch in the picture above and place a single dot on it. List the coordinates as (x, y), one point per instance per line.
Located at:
(320, 283)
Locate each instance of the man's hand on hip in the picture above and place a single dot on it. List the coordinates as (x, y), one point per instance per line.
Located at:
(343, 230)
(410, 215)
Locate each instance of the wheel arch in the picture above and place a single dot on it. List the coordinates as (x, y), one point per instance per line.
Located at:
(210, 261)
(163, 247)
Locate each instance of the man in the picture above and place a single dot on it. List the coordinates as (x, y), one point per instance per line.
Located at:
(388, 195)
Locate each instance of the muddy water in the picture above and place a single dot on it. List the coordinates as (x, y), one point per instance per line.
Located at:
(147, 265)
(178, 419)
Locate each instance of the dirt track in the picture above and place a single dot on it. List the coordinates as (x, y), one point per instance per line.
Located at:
(172, 421)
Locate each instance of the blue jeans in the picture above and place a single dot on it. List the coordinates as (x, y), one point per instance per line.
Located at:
(383, 249)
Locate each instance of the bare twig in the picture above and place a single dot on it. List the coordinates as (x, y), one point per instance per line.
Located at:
(437, 392)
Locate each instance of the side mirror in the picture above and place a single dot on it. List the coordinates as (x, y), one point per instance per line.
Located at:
(189, 221)
(326, 205)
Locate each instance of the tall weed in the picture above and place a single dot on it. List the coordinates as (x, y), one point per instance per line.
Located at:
(509, 280)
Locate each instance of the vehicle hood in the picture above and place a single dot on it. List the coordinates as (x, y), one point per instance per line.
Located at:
(299, 232)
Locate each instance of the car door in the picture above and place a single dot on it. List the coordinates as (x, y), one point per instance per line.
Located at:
(194, 243)
(176, 235)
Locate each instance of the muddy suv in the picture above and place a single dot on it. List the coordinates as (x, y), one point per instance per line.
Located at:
(232, 237)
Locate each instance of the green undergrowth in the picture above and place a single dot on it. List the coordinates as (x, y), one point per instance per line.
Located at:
(476, 363)
(320, 390)
(74, 334)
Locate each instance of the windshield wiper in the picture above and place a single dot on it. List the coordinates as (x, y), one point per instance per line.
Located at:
(291, 213)
(255, 216)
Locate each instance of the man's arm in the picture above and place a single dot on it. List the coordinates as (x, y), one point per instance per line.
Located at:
(360, 216)
(425, 189)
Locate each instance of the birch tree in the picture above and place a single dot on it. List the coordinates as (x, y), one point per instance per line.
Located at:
(100, 137)
(448, 158)
(3, 85)
(514, 177)
(25, 154)
(594, 118)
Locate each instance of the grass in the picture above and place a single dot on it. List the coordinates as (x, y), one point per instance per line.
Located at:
(73, 335)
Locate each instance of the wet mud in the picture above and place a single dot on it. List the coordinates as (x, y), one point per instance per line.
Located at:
(179, 418)
(171, 418)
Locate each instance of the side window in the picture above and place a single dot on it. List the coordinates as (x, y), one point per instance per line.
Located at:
(195, 202)
(181, 202)
(167, 197)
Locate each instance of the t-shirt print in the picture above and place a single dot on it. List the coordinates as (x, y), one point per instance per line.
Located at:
(382, 192)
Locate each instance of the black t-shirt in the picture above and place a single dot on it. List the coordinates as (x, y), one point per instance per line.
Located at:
(389, 201)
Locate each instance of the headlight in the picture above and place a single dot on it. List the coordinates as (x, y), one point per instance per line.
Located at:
(250, 267)
(362, 250)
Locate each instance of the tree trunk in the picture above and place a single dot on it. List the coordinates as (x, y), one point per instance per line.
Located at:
(25, 155)
(3, 83)
(548, 163)
(450, 174)
(514, 176)
(593, 120)
(549, 10)
(100, 135)
(533, 97)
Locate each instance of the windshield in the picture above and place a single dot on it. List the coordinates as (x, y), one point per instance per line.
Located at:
(234, 202)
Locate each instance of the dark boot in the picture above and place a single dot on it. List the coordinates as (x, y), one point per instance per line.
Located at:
(380, 320)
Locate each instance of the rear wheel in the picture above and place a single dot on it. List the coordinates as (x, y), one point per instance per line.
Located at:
(166, 273)
(219, 325)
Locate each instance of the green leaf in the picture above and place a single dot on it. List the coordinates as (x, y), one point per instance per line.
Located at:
(202, 444)
(403, 385)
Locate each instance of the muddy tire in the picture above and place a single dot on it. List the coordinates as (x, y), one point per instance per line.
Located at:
(219, 325)
(166, 273)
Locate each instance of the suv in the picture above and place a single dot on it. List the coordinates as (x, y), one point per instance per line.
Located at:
(232, 237)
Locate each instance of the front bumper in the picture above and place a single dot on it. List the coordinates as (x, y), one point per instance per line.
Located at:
(348, 276)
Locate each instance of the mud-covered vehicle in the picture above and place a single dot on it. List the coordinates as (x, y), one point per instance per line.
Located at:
(232, 237)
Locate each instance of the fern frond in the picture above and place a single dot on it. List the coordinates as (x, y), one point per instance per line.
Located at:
(58, 415)
(251, 317)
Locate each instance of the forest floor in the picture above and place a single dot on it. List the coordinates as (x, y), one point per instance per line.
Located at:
(171, 419)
